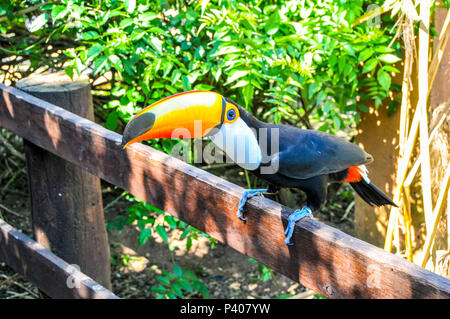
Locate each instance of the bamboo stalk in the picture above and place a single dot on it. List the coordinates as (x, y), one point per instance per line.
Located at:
(378, 11)
(448, 222)
(404, 111)
(413, 171)
(424, 39)
(436, 216)
(406, 141)
(408, 222)
(396, 237)
(401, 175)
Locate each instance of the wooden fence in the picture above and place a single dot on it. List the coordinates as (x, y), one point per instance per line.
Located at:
(323, 259)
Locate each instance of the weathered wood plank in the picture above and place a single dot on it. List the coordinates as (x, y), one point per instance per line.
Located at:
(51, 274)
(323, 259)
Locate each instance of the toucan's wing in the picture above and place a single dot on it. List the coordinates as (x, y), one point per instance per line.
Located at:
(308, 153)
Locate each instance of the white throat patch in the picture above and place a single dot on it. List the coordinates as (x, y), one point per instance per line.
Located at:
(239, 142)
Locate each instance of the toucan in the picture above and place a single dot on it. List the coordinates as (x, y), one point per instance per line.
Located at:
(282, 155)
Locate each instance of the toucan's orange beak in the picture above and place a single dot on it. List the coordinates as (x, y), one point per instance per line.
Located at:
(189, 115)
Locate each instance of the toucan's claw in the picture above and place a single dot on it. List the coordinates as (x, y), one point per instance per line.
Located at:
(248, 193)
(293, 218)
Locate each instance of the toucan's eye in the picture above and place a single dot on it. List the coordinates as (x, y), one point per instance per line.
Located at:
(231, 114)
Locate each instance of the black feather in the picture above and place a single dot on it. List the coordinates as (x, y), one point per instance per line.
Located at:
(371, 194)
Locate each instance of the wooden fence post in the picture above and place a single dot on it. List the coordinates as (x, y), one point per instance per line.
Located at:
(66, 200)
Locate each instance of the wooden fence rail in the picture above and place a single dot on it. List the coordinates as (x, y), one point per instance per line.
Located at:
(323, 259)
(55, 277)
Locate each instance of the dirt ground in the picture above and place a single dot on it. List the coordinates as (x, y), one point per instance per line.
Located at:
(226, 272)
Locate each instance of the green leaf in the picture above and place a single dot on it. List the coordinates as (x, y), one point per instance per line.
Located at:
(184, 284)
(273, 24)
(204, 87)
(177, 270)
(383, 49)
(204, 4)
(266, 274)
(347, 69)
(240, 84)
(365, 54)
(332, 60)
(384, 79)
(389, 58)
(189, 275)
(236, 75)
(176, 289)
(70, 54)
(370, 65)
(171, 295)
(116, 62)
(189, 243)
(185, 233)
(89, 35)
(148, 16)
(170, 219)
(159, 289)
(200, 287)
(125, 23)
(168, 275)
(130, 5)
(38, 22)
(156, 44)
(145, 235)
(93, 51)
(390, 68)
(101, 64)
(69, 70)
(363, 107)
(186, 83)
(337, 121)
(162, 233)
(59, 12)
(163, 280)
(226, 50)
(341, 64)
(137, 35)
(111, 121)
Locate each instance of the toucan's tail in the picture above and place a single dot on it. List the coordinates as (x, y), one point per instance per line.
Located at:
(371, 194)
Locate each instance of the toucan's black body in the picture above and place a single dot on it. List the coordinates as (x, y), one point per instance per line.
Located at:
(305, 159)
(309, 160)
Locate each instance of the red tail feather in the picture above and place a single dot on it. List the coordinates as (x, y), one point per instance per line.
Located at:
(354, 175)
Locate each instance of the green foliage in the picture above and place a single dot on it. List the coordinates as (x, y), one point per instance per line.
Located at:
(179, 283)
(265, 273)
(144, 216)
(297, 62)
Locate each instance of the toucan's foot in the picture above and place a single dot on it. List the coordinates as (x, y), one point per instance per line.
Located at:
(293, 218)
(248, 193)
